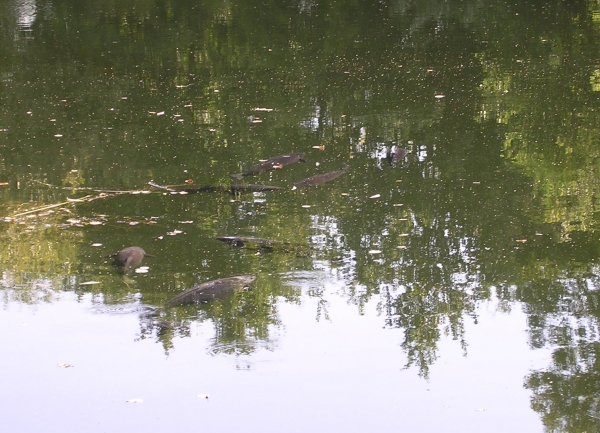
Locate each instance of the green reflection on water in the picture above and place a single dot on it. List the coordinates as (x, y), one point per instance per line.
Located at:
(497, 106)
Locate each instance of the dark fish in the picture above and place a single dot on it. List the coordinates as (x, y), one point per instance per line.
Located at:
(321, 178)
(210, 290)
(253, 243)
(248, 241)
(129, 258)
(271, 164)
(221, 188)
(395, 155)
(242, 187)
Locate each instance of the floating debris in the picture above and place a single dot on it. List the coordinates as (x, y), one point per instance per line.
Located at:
(203, 396)
(306, 206)
(440, 96)
(58, 135)
(95, 223)
(89, 283)
(65, 365)
(160, 113)
(142, 270)
(96, 244)
(374, 251)
(135, 400)
(375, 196)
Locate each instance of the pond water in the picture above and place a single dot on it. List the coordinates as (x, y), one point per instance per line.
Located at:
(452, 288)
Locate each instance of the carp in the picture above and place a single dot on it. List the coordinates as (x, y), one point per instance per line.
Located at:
(320, 179)
(211, 290)
(271, 164)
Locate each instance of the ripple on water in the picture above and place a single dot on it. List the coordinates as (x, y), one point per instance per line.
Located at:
(123, 309)
(236, 349)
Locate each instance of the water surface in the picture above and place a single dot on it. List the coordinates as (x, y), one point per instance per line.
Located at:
(455, 289)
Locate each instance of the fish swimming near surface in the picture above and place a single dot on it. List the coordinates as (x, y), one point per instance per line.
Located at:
(248, 241)
(395, 155)
(211, 290)
(253, 243)
(271, 164)
(234, 188)
(321, 178)
(129, 258)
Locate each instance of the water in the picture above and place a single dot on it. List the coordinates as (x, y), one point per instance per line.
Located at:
(455, 289)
